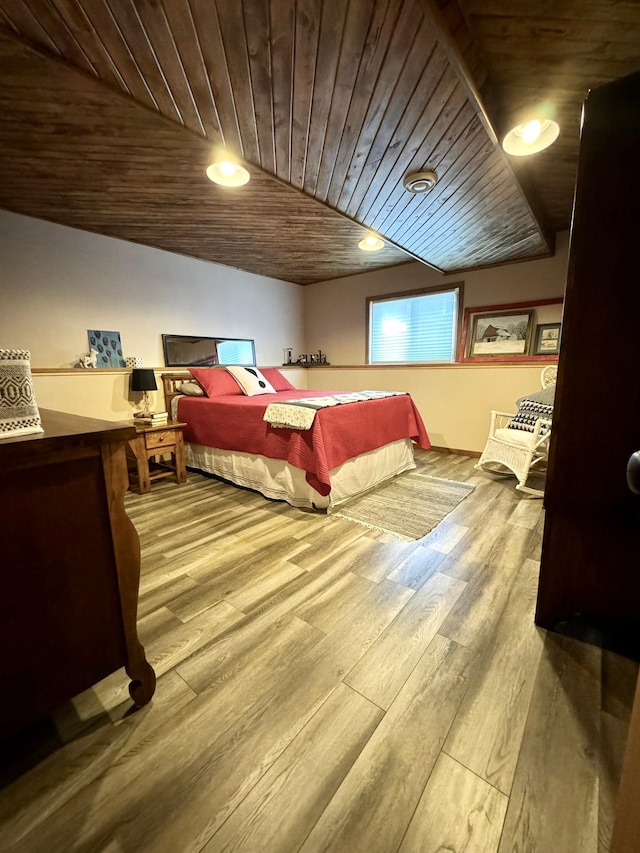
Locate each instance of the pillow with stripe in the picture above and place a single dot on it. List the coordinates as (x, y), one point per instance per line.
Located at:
(528, 413)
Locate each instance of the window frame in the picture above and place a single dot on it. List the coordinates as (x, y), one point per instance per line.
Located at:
(407, 294)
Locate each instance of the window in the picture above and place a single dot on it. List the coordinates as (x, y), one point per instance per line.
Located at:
(414, 327)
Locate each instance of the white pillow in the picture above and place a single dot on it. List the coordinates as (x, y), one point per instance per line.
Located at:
(191, 388)
(251, 380)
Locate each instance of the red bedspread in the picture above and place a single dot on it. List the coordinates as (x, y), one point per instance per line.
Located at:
(338, 432)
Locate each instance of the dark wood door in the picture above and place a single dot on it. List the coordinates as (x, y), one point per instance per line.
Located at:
(590, 570)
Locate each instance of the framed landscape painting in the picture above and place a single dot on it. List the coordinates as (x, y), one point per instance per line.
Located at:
(505, 333)
(500, 333)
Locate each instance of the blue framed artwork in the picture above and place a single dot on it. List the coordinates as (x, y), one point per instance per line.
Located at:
(108, 347)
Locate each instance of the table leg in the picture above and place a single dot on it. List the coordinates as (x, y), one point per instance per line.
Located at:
(139, 451)
(181, 471)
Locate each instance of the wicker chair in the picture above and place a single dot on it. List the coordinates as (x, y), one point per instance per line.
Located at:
(516, 450)
(548, 375)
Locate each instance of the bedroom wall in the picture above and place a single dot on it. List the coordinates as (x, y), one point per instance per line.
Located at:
(335, 311)
(57, 282)
(454, 400)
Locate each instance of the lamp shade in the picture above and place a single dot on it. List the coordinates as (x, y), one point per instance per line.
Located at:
(143, 379)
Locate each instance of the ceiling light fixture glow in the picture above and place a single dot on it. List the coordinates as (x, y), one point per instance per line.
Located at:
(228, 174)
(420, 182)
(371, 243)
(531, 137)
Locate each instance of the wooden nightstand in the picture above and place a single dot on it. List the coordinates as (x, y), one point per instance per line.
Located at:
(150, 443)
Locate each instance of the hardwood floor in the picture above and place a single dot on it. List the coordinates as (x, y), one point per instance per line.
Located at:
(325, 687)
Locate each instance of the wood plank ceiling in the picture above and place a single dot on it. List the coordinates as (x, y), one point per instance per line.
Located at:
(111, 110)
(544, 55)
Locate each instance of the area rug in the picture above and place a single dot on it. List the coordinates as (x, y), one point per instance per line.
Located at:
(409, 506)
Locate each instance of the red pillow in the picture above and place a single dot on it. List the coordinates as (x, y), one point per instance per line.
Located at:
(215, 381)
(277, 380)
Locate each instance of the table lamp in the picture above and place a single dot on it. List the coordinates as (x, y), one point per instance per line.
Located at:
(143, 379)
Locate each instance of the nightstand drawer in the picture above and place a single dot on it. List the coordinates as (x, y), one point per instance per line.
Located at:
(161, 438)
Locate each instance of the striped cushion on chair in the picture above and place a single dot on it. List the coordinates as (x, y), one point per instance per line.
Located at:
(528, 413)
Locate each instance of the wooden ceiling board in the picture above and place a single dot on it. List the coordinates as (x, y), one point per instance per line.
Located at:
(340, 100)
(458, 208)
(553, 52)
(359, 72)
(341, 123)
(462, 140)
(77, 152)
(413, 137)
(401, 70)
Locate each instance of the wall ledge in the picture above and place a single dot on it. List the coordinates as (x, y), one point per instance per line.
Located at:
(103, 371)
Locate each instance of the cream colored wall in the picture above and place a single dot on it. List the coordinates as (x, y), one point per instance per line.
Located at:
(92, 393)
(57, 282)
(335, 311)
(454, 400)
(105, 393)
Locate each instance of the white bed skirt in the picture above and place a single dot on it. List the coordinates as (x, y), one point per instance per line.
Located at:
(276, 479)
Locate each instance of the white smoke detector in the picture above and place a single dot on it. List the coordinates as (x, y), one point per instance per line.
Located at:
(420, 182)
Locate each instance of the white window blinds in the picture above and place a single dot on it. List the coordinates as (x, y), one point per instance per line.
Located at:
(413, 328)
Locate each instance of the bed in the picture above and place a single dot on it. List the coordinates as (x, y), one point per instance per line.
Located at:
(348, 449)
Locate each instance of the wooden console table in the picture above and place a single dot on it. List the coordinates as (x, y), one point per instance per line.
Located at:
(70, 568)
(150, 442)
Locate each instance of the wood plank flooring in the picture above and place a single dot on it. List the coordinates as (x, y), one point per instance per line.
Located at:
(325, 687)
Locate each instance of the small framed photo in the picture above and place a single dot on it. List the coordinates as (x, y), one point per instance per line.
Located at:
(547, 339)
(499, 333)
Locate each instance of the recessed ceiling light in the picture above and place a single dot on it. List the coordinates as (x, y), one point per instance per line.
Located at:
(531, 137)
(371, 243)
(420, 182)
(228, 174)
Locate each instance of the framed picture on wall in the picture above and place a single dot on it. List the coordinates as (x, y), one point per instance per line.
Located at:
(500, 333)
(505, 333)
(107, 347)
(547, 339)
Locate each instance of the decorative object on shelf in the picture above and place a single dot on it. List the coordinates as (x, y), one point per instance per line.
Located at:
(19, 413)
(547, 339)
(143, 379)
(312, 359)
(288, 355)
(133, 361)
(108, 346)
(88, 360)
(504, 333)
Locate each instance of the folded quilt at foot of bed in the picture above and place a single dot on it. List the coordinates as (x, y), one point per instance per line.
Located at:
(300, 414)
